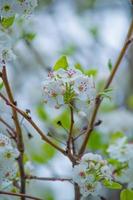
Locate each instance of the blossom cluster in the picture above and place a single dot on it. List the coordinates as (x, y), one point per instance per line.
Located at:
(8, 156)
(122, 152)
(9, 8)
(6, 53)
(63, 87)
(90, 173)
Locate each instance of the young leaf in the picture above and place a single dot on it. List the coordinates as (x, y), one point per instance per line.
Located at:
(7, 22)
(79, 67)
(1, 85)
(115, 136)
(126, 194)
(29, 36)
(112, 185)
(44, 154)
(61, 63)
(110, 66)
(41, 112)
(91, 72)
(64, 117)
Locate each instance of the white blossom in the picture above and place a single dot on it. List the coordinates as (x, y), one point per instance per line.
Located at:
(122, 151)
(8, 155)
(9, 8)
(62, 87)
(89, 174)
(6, 53)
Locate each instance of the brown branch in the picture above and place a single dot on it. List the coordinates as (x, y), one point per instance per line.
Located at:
(19, 195)
(29, 119)
(20, 143)
(109, 81)
(12, 133)
(48, 179)
(77, 191)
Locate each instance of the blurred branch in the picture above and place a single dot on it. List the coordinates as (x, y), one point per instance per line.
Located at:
(12, 133)
(19, 137)
(109, 81)
(19, 195)
(48, 179)
(29, 119)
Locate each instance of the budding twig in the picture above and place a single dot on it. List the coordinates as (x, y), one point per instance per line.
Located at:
(19, 137)
(109, 81)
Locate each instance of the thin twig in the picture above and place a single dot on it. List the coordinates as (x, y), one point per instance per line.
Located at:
(19, 195)
(48, 179)
(29, 119)
(109, 81)
(13, 133)
(20, 142)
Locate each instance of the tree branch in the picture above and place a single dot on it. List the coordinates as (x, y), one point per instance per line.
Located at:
(29, 119)
(12, 133)
(48, 179)
(20, 143)
(19, 195)
(109, 81)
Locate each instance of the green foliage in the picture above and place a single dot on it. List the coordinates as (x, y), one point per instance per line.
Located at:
(69, 50)
(41, 112)
(130, 102)
(69, 94)
(49, 196)
(29, 36)
(126, 194)
(95, 142)
(91, 72)
(1, 85)
(110, 66)
(61, 63)
(64, 118)
(79, 67)
(94, 32)
(115, 136)
(106, 93)
(112, 185)
(7, 22)
(44, 154)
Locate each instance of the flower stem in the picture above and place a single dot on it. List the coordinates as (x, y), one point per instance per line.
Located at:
(109, 81)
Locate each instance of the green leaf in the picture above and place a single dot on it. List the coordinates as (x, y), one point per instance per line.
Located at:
(112, 185)
(110, 66)
(91, 72)
(95, 141)
(7, 22)
(115, 136)
(1, 85)
(130, 102)
(44, 154)
(79, 67)
(61, 63)
(64, 118)
(126, 194)
(41, 112)
(94, 32)
(29, 36)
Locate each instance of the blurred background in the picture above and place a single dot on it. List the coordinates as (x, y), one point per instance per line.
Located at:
(90, 33)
